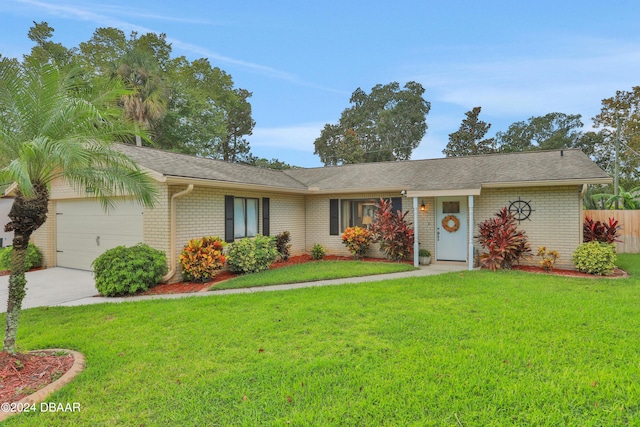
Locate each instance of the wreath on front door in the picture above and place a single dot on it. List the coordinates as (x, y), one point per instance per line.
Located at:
(446, 223)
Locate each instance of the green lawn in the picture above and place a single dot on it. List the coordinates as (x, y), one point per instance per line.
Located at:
(460, 349)
(313, 271)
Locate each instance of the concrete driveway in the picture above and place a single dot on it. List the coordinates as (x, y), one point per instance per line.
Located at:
(52, 286)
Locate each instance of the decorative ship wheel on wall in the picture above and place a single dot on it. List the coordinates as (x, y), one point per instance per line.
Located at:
(520, 209)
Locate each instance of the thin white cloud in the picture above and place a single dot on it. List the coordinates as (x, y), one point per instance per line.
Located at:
(99, 16)
(297, 137)
(101, 12)
(573, 79)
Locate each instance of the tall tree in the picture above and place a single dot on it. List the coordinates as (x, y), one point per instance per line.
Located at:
(239, 123)
(388, 124)
(46, 51)
(625, 108)
(196, 122)
(146, 103)
(339, 146)
(468, 140)
(53, 125)
(187, 106)
(204, 115)
(548, 132)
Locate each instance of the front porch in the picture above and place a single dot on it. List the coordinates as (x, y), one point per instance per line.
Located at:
(453, 226)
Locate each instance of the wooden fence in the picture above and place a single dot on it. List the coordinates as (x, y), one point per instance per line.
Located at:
(630, 222)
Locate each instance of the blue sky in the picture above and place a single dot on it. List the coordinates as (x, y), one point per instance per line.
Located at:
(303, 60)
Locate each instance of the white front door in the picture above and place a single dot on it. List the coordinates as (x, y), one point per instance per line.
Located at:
(451, 229)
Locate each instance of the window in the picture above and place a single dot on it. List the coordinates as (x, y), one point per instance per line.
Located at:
(241, 217)
(450, 207)
(245, 217)
(358, 212)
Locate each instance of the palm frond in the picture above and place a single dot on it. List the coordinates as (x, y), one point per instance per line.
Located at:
(54, 124)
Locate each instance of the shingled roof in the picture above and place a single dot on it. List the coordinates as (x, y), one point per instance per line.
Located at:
(176, 165)
(470, 173)
(460, 173)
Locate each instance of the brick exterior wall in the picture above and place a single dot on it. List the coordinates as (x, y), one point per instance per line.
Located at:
(155, 222)
(201, 213)
(426, 223)
(556, 220)
(317, 222)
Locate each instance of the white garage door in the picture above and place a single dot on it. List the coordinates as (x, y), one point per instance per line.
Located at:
(84, 230)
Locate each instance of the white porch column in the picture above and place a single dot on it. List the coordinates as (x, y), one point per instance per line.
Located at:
(470, 232)
(416, 244)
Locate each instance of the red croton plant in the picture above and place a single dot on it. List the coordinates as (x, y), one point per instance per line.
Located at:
(393, 231)
(506, 244)
(605, 232)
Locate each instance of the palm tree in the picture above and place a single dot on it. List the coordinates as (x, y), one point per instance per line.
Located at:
(623, 200)
(53, 125)
(149, 96)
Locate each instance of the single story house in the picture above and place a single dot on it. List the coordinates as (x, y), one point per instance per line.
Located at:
(446, 199)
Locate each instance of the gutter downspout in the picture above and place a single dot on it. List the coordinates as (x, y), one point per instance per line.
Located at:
(172, 234)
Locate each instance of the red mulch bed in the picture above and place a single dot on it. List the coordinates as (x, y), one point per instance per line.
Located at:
(187, 287)
(617, 273)
(24, 374)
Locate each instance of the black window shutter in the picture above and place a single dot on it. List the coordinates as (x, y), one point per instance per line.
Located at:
(266, 225)
(334, 218)
(228, 218)
(396, 204)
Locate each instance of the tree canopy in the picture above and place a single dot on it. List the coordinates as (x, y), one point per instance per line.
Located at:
(386, 124)
(468, 140)
(625, 108)
(548, 132)
(186, 106)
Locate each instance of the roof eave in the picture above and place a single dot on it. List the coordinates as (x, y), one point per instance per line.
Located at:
(183, 180)
(548, 183)
(316, 190)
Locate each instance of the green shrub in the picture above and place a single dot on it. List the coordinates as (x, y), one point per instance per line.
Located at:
(283, 246)
(318, 252)
(595, 258)
(201, 258)
(122, 270)
(34, 257)
(251, 255)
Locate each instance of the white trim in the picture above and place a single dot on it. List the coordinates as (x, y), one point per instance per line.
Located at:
(444, 193)
(470, 213)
